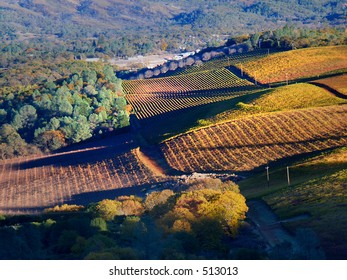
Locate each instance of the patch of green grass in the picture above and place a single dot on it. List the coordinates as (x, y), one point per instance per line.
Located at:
(318, 188)
(296, 96)
(325, 200)
(314, 168)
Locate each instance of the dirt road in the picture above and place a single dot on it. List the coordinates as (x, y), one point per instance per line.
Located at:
(268, 225)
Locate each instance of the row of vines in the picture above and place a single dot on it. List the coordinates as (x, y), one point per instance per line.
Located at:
(26, 189)
(153, 97)
(245, 144)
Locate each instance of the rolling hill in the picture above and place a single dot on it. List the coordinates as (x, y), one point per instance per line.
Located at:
(245, 144)
(211, 119)
(30, 18)
(295, 96)
(302, 63)
(76, 176)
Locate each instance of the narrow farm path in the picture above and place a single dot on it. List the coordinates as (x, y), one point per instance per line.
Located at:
(268, 224)
(151, 164)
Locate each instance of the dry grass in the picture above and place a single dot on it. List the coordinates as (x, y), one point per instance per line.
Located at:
(296, 64)
(290, 97)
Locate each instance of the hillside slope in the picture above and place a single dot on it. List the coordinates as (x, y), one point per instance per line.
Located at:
(218, 17)
(318, 191)
(248, 143)
(296, 96)
(296, 64)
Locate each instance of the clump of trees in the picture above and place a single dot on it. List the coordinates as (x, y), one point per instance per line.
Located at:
(196, 223)
(56, 113)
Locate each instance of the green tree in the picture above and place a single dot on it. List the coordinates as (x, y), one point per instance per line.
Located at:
(99, 223)
(50, 140)
(25, 118)
(108, 209)
(81, 130)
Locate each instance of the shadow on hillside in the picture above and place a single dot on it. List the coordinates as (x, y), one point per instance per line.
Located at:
(82, 199)
(95, 196)
(158, 128)
(86, 152)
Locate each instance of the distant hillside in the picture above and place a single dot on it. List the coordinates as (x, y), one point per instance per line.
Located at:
(189, 22)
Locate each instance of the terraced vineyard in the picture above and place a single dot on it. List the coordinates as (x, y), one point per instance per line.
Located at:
(157, 96)
(245, 144)
(296, 64)
(204, 80)
(30, 184)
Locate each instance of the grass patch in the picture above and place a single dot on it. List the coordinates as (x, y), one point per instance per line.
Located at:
(297, 96)
(319, 188)
(314, 168)
(296, 64)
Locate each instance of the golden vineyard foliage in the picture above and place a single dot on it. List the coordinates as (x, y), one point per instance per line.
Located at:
(157, 96)
(296, 64)
(245, 144)
(289, 97)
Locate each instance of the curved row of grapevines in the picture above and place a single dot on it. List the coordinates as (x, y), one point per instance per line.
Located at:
(157, 96)
(296, 64)
(29, 190)
(206, 80)
(226, 61)
(245, 144)
(149, 105)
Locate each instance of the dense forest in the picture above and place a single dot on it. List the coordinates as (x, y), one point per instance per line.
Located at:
(51, 114)
(91, 28)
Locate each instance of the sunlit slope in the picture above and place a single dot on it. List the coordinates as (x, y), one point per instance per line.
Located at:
(338, 83)
(296, 64)
(296, 96)
(157, 96)
(28, 185)
(244, 144)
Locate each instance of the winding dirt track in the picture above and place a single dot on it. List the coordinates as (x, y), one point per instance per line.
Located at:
(268, 225)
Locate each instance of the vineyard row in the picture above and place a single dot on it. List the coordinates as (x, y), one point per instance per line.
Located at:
(245, 144)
